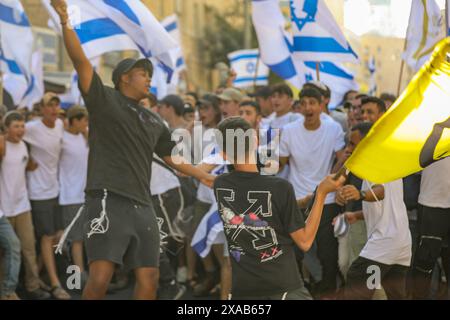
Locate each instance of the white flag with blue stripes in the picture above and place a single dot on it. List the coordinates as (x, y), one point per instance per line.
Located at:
(116, 25)
(171, 25)
(26, 92)
(21, 67)
(250, 70)
(160, 85)
(210, 231)
(335, 76)
(316, 34)
(141, 25)
(274, 41)
(97, 32)
(16, 39)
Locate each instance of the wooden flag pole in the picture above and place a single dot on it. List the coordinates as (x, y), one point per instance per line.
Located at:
(318, 71)
(255, 76)
(405, 44)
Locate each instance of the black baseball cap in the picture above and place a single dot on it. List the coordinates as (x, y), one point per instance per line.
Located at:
(175, 102)
(126, 65)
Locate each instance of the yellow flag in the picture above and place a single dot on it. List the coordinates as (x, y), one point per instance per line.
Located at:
(415, 131)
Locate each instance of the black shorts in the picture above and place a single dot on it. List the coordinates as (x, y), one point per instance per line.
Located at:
(46, 216)
(132, 233)
(68, 214)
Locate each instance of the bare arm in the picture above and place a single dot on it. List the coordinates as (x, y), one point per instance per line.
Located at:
(282, 163)
(81, 63)
(304, 237)
(350, 192)
(179, 163)
(341, 157)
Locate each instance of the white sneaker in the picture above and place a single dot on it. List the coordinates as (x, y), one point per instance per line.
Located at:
(182, 274)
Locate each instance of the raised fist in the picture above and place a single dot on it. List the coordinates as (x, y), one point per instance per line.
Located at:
(60, 7)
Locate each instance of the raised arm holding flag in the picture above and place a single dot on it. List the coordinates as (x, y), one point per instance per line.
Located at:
(123, 138)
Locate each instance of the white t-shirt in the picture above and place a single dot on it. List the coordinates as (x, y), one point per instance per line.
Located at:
(280, 122)
(162, 180)
(388, 235)
(311, 154)
(46, 144)
(265, 122)
(435, 185)
(13, 182)
(73, 169)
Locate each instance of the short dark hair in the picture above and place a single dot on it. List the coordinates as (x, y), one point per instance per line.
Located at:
(380, 103)
(325, 91)
(361, 96)
(192, 94)
(363, 128)
(388, 97)
(263, 92)
(253, 104)
(210, 99)
(12, 116)
(78, 117)
(345, 98)
(233, 123)
(282, 88)
(310, 92)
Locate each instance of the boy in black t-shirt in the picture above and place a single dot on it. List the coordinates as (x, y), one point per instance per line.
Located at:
(262, 221)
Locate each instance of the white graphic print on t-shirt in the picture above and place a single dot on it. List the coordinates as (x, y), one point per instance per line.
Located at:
(241, 227)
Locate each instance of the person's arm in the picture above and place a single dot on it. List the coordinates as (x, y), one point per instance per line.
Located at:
(31, 165)
(303, 202)
(350, 192)
(180, 164)
(283, 161)
(80, 62)
(206, 167)
(353, 217)
(305, 237)
(341, 157)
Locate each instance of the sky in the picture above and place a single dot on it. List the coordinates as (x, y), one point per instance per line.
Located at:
(389, 20)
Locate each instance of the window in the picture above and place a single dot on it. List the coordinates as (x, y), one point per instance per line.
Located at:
(47, 41)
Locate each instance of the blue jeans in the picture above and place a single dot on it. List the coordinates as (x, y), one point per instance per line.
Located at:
(10, 245)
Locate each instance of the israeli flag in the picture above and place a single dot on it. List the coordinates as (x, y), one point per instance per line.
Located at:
(316, 34)
(210, 231)
(335, 76)
(15, 56)
(117, 25)
(171, 25)
(373, 81)
(160, 85)
(249, 69)
(26, 92)
(274, 41)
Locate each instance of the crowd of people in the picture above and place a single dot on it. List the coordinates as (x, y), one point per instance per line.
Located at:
(103, 185)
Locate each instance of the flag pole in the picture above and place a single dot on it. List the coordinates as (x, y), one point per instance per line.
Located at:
(447, 23)
(403, 61)
(318, 70)
(256, 72)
